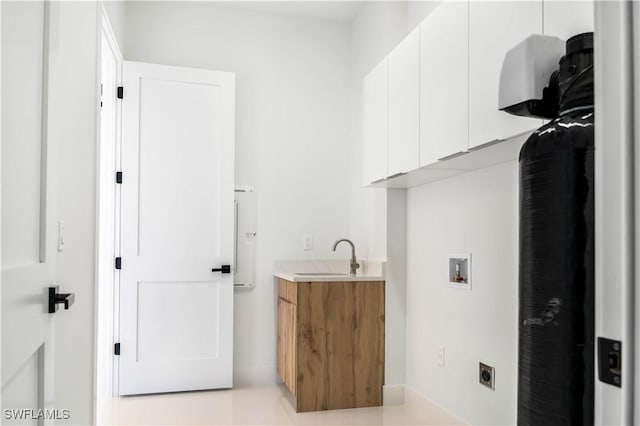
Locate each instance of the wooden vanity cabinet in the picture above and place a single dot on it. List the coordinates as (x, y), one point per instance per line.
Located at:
(331, 343)
(287, 334)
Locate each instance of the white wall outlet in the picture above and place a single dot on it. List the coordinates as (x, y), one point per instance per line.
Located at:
(307, 242)
(440, 356)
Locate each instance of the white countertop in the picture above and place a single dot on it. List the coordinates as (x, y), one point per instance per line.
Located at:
(327, 270)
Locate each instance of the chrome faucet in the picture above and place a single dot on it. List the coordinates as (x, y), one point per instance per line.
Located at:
(354, 265)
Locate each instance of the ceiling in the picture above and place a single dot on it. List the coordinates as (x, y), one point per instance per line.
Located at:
(339, 10)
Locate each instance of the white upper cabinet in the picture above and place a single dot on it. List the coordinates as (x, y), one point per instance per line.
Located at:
(444, 88)
(404, 105)
(567, 18)
(436, 94)
(375, 124)
(494, 28)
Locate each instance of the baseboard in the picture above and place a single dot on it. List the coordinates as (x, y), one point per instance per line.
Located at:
(254, 375)
(427, 409)
(392, 395)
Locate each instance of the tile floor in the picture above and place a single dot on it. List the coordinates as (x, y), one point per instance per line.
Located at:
(243, 406)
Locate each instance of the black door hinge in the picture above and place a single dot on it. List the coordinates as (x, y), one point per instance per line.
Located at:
(116, 349)
(118, 263)
(120, 92)
(118, 177)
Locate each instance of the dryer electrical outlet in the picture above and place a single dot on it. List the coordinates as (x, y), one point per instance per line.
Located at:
(486, 376)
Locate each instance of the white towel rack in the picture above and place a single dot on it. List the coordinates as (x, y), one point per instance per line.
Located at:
(245, 236)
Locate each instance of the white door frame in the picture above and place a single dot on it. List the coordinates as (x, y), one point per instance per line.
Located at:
(107, 244)
(1, 194)
(636, 119)
(616, 180)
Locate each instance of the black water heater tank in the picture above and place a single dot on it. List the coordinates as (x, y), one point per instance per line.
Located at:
(556, 275)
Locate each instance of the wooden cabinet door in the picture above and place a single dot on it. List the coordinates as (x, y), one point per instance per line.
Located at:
(444, 85)
(281, 340)
(404, 105)
(567, 18)
(375, 124)
(341, 348)
(287, 343)
(494, 28)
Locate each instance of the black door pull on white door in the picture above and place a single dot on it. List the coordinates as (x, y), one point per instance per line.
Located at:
(225, 269)
(55, 299)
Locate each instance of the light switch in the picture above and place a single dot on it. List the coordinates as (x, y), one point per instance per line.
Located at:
(60, 235)
(307, 242)
(440, 356)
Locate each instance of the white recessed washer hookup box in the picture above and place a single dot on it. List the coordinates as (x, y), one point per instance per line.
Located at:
(459, 270)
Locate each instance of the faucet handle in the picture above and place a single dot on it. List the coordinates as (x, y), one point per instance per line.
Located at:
(354, 267)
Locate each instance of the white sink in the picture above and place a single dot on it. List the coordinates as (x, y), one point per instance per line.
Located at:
(321, 274)
(319, 270)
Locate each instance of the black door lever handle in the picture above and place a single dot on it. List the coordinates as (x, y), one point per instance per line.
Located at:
(225, 269)
(55, 298)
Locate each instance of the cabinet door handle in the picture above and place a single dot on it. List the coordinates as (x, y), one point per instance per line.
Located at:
(449, 157)
(396, 175)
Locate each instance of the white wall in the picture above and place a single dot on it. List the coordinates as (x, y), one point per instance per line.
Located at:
(375, 30)
(73, 108)
(116, 11)
(378, 216)
(292, 135)
(476, 212)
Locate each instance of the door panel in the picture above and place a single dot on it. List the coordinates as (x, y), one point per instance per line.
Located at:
(22, 76)
(179, 173)
(494, 28)
(565, 19)
(404, 105)
(164, 337)
(21, 390)
(28, 209)
(176, 315)
(444, 119)
(375, 122)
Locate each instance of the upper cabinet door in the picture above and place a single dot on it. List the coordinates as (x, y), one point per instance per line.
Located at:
(567, 18)
(494, 28)
(404, 105)
(444, 84)
(375, 124)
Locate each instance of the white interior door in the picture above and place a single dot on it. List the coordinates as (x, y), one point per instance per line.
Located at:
(28, 217)
(176, 314)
